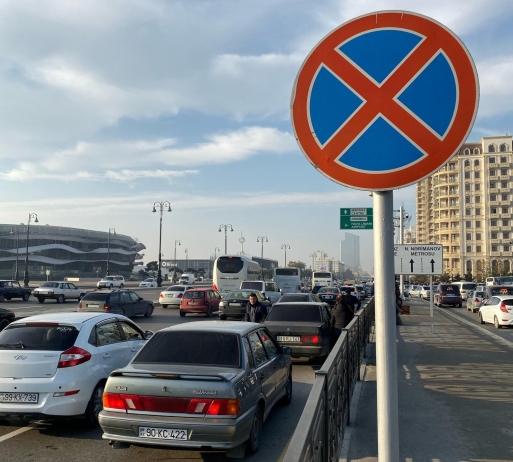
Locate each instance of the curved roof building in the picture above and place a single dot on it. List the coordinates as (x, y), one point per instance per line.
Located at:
(65, 251)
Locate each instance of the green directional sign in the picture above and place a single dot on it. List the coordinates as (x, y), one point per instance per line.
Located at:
(361, 218)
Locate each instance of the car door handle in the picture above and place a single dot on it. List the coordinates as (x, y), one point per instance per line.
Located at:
(261, 376)
(106, 355)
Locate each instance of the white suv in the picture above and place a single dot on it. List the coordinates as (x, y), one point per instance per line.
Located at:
(109, 282)
(57, 364)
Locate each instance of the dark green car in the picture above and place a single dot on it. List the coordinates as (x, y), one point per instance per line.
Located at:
(10, 289)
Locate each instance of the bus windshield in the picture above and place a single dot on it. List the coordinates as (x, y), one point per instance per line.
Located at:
(288, 279)
(229, 264)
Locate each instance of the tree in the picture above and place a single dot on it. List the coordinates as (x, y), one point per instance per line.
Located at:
(152, 266)
(297, 264)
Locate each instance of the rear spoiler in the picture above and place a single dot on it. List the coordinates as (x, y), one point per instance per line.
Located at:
(224, 377)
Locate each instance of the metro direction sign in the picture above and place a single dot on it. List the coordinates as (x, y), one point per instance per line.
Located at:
(356, 218)
(418, 259)
(384, 100)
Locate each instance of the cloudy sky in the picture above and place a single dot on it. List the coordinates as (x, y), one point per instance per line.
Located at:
(109, 106)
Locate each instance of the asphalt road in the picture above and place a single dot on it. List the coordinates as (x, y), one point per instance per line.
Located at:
(27, 441)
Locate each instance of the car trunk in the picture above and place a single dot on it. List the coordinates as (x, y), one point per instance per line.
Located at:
(288, 328)
(28, 364)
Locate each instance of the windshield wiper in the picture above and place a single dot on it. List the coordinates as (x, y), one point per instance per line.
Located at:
(13, 345)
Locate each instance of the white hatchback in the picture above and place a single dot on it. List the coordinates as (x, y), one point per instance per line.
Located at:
(56, 365)
(172, 295)
(148, 282)
(497, 310)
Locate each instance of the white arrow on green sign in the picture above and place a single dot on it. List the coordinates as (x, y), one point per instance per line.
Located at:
(356, 218)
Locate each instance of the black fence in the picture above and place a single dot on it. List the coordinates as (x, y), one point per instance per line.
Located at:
(320, 431)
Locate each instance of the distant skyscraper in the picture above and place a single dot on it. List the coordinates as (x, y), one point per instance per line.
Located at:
(350, 251)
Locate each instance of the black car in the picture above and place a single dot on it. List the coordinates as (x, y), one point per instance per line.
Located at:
(123, 302)
(329, 295)
(304, 327)
(11, 289)
(233, 305)
(301, 297)
(6, 317)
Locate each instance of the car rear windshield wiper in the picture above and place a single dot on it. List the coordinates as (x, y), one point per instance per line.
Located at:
(13, 345)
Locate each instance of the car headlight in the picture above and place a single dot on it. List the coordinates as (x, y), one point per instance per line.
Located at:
(221, 304)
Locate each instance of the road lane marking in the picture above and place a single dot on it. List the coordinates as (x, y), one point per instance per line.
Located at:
(19, 431)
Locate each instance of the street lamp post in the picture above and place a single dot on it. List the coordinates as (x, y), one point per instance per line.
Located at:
(179, 243)
(226, 228)
(285, 247)
(186, 259)
(160, 206)
(16, 275)
(26, 275)
(113, 231)
(262, 239)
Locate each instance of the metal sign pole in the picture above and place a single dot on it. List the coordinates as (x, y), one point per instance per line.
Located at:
(386, 349)
(431, 303)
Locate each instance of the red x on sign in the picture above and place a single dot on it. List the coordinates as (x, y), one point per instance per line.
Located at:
(384, 100)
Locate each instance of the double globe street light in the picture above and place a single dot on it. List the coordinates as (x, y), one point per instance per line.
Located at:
(160, 206)
(285, 247)
(226, 228)
(26, 275)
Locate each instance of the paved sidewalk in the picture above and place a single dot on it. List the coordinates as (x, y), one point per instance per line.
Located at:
(455, 394)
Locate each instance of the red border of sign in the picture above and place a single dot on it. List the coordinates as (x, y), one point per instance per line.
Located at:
(438, 37)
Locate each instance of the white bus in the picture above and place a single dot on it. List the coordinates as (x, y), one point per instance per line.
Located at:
(322, 278)
(288, 280)
(231, 270)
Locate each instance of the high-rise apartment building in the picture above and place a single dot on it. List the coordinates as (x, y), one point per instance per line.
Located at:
(350, 251)
(466, 207)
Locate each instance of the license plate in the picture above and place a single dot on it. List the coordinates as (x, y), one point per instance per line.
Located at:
(162, 433)
(19, 397)
(193, 303)
(43, 292)
(288, 338)
(328, 297)
(450, 295)
(235, 304)
(93, 306)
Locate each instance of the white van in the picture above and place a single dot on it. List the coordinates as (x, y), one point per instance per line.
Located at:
(466, 288)
(493, 281)
(268, 288)
(187, 278)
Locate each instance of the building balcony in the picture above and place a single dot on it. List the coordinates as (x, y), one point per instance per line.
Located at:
(495, 241)
(495, 254)
(493, 165)
(494, 202)
(493, 178)
(506, 215)
(494, 215)
(495, 228)
(493, 190)
(504, 177)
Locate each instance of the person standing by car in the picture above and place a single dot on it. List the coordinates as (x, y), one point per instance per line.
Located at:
(255, 311)
(341, 315)
(351, 300)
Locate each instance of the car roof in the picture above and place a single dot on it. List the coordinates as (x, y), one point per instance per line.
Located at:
(196, 289)
(238, 327)
(299, 303)
(72, 317)
(57, 282)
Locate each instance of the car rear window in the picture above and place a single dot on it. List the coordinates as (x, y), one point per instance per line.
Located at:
(175, 289)
(237, 295)
(194, 295)
(38, 336)
(199, 348)
(328, 290)
(450, 289)
(251, 285)
(468, 286)
(299, 313)
(508, 290)
(294, 298)
(96, 297)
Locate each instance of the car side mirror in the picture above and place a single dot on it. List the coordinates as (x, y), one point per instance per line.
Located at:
(148, 334)
(286, 350)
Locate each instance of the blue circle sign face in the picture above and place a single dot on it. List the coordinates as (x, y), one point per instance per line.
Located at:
(384, 101)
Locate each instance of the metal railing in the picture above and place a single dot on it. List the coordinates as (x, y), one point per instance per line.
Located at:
(320, 431)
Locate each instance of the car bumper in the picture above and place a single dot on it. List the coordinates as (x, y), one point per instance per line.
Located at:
(194, 309)
(303, 351)
(450, 301)
(170, 301)
(216, 434)
(232, 312)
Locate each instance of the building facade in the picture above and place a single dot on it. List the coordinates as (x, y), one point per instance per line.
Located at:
(65, 252)
(466, 207)
(350, 251)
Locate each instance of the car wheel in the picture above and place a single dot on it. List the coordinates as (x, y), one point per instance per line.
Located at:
(40, 299)
(182, 314)
(25, 297)
(2, 298)
(287, 399)
(164, 306)
(111, 286)
(149, 311)
(60, 298)
(459, 305)
(223, 317)
(121, 286)
(209, 312)
(496, 323)
(256, 431)
(3, 324)
(481, 318)
(95, 405)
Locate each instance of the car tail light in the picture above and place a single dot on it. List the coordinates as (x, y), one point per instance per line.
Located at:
(180, 295)
(160, 295)
(65, 393)
(106, 307)
(80, 305)
(198, 406)
(214, 286)
(310, 339)
(503, 308)
(73, 357)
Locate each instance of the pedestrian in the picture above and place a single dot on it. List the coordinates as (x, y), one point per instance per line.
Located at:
(351, 300)
(341, 315)
(255, 311)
